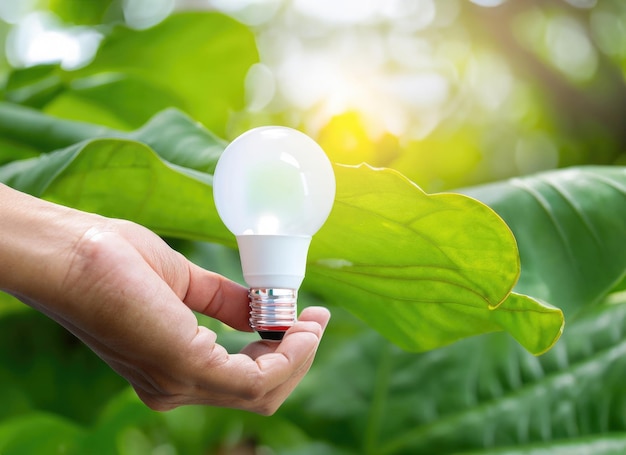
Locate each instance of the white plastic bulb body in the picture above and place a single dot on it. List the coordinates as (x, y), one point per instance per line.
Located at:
(273, 187)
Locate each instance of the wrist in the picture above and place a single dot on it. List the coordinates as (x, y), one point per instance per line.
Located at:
(37, 239)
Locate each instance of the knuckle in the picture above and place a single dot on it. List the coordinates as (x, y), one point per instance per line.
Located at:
(93, 245)
(254, 391)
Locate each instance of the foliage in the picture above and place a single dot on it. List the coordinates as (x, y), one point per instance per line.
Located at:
(424, 270)
(446, 283)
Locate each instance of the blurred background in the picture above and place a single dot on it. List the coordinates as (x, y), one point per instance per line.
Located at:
(451, 93)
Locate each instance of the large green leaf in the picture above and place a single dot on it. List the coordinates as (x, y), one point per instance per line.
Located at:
(428, 287)
(571, 231)
(483, 394)
(425, 270)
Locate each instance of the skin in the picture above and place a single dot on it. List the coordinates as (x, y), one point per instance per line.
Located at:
(129, 297)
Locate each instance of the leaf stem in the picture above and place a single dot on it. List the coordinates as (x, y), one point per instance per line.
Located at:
(376, 411)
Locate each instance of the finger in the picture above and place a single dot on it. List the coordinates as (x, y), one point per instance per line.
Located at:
(271, 364)
(318, 315)
(218, 297)
(304, 337)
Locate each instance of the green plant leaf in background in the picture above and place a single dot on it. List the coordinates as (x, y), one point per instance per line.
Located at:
(610, 444)
(571, 230)
(482, 395)
(364, 395)
(86, 13)
(34, 86)
(171, 133)
(186, 61)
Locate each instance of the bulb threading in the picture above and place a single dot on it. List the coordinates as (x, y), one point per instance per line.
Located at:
(272, 311)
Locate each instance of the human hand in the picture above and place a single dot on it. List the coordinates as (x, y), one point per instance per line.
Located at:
(130, 297)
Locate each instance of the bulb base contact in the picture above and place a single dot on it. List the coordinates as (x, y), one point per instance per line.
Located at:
(272, 311)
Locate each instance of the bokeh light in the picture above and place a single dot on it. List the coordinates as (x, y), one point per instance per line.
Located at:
(140, 14)
(40, 38)
(451, 93)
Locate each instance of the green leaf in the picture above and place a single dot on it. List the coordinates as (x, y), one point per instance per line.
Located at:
(421, 285)
(610, 444)
(171, 133)
(116, 100)
(186, 61)
(424, 270)
(481, 394)
(182, 141)
(534, 324)
(34, 86)
(33, 130)
(188, 57)
(124, 179)
(86, 12)
(12, 151)
(570, 227)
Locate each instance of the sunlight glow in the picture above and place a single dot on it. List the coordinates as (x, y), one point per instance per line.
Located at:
(40, 38)
(354, 73)
(260, 86)
(609, 32)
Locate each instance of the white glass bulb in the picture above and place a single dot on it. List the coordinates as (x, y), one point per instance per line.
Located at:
(273, 187)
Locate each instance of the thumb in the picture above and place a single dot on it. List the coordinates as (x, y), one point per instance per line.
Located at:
(218, 297)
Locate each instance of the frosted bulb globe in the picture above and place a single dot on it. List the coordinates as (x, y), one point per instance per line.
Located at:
(273, 187)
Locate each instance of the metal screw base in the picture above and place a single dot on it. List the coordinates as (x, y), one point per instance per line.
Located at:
(272, 311)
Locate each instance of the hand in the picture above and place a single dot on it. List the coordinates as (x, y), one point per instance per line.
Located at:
(129, 297)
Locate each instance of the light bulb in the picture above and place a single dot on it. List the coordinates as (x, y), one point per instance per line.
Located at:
(273, 187)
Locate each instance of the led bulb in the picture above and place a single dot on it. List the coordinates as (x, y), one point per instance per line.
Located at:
(273, 187)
